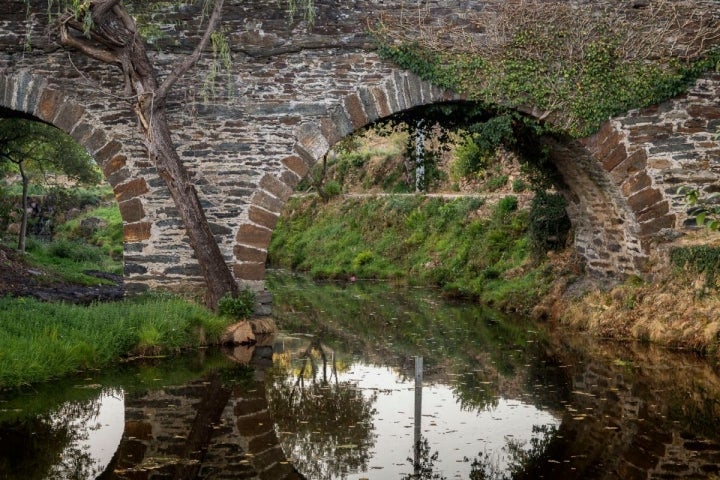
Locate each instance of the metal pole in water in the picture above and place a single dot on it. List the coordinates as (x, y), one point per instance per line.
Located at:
(418, 410)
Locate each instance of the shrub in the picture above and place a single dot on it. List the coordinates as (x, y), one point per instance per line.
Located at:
(76, 251)
(507, 204)
(519, 185)
(496, 183)
(362, 258)
(332, 188)
(240, 307)
(549, 223)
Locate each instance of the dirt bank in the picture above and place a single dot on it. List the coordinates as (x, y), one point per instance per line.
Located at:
(675, 311)
(18, 279)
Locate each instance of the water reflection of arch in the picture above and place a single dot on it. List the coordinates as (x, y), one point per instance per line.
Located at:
(205, 429)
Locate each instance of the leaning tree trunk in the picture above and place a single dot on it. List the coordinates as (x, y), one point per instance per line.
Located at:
(114, 38)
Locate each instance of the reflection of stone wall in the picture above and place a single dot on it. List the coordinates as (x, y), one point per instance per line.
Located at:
(622, 421)
(202, 430)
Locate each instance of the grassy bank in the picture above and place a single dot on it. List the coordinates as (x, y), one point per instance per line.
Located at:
(40, 341)
(462, 245)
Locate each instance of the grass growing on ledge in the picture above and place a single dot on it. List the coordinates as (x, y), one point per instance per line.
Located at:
(415, 239)
(40, 341)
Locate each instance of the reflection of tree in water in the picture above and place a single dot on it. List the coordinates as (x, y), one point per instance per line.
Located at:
(324, 425)
(49, 445)
(524, 463)
(424, 464)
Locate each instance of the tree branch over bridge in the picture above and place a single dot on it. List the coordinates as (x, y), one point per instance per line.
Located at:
(105, 30)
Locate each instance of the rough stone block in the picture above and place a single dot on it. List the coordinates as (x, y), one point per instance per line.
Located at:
(644, 199)
(253, 236)
(276, 187)
(614, 157)
(635, 183)
(354, 108)
(95, 141)
(131, 210)
(311, 141)
(343, 124)
(109, 151)
(248, 254)
(268, 202)
(707, 112)
(249, 271)
(131, 189)
(297, 165)
(49, 104)
(68, 116)
(34, 94)
(136, 232)
(262, 217)
(657, 210)
(655, 225)
(368, 102)
(113, 165)
(382, 104)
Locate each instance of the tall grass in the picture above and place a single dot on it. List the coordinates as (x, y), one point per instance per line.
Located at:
(40, 341)
(451, 243)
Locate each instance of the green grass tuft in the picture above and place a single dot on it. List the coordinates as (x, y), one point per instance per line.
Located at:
(40, 341)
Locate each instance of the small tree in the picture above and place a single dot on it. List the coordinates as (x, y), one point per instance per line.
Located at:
(33, 149)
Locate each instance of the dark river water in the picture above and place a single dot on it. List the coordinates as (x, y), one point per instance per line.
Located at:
(371, 381)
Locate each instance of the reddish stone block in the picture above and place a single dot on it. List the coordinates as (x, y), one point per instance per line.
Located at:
(262, 217)
(132, 210)
(267, 201)
(108, 152)
(113, 165)
(635, 183)
(649, 133)
(382, 105)
(49, 104)
(653, 226)
(276, 187)
(707, 112)
(297, 165)
(68, 116)
(644, 199)
(253, 236)
(131, 189)
(657, 210)
(248, 254)
(355, 110)
(249, 271)
(614, 158)
(136, 232)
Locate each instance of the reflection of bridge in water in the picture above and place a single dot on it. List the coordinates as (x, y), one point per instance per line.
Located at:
(202, 430)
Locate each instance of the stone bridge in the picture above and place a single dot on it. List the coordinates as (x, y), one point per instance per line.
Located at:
(290, 95)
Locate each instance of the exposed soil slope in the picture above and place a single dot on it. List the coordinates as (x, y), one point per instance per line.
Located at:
(21, 280)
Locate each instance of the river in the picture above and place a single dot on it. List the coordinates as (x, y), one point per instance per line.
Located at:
(368, 380)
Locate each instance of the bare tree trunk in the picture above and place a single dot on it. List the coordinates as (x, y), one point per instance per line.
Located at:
(114, 39)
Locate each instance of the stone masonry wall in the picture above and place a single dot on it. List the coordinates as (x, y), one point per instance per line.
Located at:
(291, 95)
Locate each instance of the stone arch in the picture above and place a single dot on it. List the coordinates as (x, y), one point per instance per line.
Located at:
(608, 234)
(399, 91)
(31, 95)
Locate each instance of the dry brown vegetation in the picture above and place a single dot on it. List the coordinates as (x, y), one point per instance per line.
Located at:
(677, 309)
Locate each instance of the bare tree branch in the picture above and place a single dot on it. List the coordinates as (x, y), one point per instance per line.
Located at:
(84, 46)
(192, 59)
